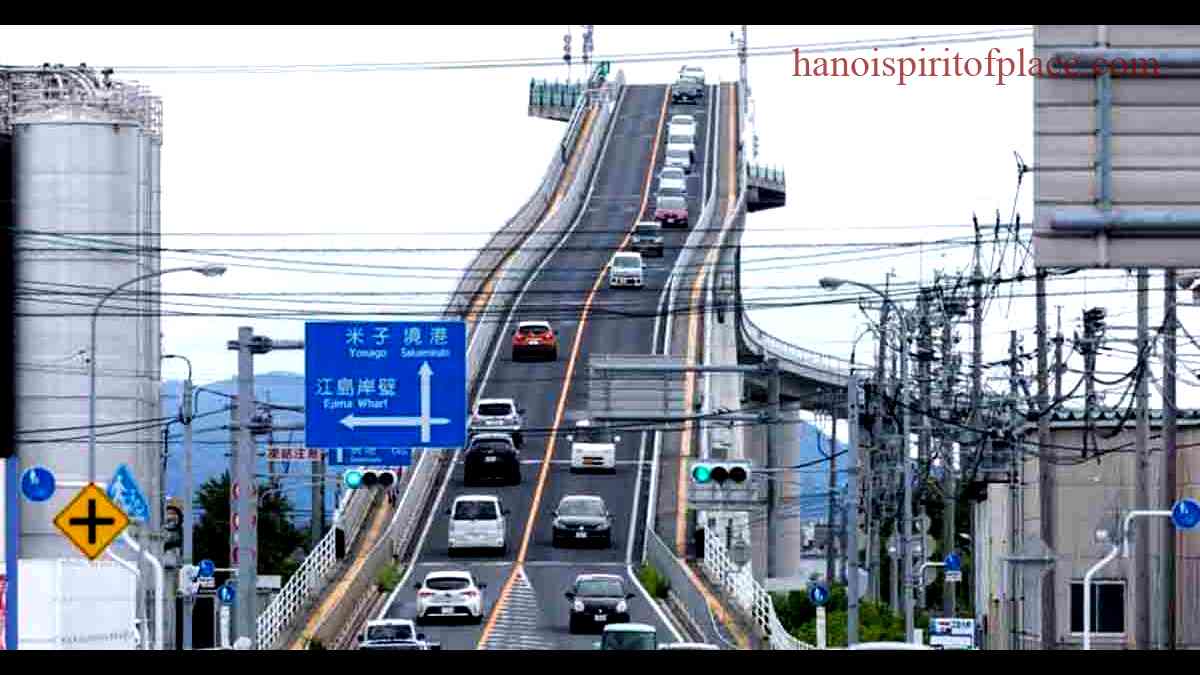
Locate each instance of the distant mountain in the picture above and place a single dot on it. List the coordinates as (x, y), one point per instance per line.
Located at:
(813, 477)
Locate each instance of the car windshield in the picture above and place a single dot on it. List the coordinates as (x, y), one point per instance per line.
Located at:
(593, 435)
(624, 640)
(447, 584)
(581, 507)
(672, 174)
(670, 191)
(671, 203)
(626, 263)
(680, 153)
(495, 409)
(475, 511)
(489, 445)
(389, 632)
(647, 229)
(600, 588)
(680, 140)
(532, 330)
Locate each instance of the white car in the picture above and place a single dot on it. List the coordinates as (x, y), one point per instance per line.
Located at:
(477, 521)
(498, 414)
(683, 124)
(890, 646)
(693, 73)
(449, 594)
(394, 635)
(593, 448)
(672, 180)
(681, 142)
(626, 270)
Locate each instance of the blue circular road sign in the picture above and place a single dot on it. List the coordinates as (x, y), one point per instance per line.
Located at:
(1186, 514)
(818, 594)
(953, 563)
(37, 484)
(207, 568)
(227, 593)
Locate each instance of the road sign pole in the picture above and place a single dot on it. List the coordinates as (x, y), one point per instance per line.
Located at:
(820, 628)
(247, 503)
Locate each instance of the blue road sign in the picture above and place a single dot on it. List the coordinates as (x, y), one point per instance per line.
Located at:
(370, 457)
(385, 384)
(37, 484)
(1186, 514)
(125, 493)
(226, 593)
(818, 594)
(953, 563)
(207, 568)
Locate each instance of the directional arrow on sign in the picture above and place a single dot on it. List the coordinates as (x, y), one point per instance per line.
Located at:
(424, 421)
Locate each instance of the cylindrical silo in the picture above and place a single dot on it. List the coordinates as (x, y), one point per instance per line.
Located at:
(78, 184)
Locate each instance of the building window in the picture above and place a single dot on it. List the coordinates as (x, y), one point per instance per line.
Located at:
(1108, 607)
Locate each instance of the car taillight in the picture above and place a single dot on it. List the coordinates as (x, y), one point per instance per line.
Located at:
(470, 594)
(424, 594)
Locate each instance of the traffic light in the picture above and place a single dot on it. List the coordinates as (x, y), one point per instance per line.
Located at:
(371, 478)
(726, 473)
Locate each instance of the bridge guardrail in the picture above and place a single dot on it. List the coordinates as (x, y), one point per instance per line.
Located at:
(739, 585)
(662, 559)
(308, 581)
(767, 343)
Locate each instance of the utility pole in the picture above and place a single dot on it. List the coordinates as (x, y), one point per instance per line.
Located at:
(1014, 491)
(1170, 448)
(976, 376)
(245, 487)
(924, 355)
(234, 453)
(907, 517)
(852, 422)
(949, 503)
(1045, 466)
(743, 51)
(830, 571)
(1141, 473)
(879, 449)
(188, 414)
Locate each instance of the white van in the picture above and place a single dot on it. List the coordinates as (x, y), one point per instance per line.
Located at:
(626, 270)
(477, 521)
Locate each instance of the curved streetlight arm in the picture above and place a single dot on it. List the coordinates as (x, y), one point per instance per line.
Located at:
(206, 270)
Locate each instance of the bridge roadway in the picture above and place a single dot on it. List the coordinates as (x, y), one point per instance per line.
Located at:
(525, 607)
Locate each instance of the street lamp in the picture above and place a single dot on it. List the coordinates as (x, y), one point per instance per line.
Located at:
(206, 270)
(832, 283)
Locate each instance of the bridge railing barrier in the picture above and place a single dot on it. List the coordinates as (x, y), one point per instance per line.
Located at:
(739, 586)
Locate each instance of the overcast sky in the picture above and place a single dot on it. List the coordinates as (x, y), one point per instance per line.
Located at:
(257, 163)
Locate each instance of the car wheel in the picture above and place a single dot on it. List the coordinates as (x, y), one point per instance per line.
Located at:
(519, 439)
(554, 354)
(516, 476)
(479, 618)
(572, 626)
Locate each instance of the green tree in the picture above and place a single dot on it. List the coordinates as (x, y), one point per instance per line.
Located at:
(278, 538)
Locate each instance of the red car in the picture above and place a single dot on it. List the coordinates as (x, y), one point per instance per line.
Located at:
(534, 338)
(671, 211)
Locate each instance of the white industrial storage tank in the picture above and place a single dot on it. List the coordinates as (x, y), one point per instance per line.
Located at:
(85, 178)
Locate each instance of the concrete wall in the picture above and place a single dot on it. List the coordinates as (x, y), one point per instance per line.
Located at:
(1093, 495)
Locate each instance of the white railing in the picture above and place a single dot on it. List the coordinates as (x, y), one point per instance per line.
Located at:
(739, 585)
(769, 344)
(309, 581)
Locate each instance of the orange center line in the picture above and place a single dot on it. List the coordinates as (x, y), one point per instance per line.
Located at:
(576, 344)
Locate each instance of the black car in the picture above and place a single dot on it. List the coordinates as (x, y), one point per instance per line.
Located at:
(492, 457)
(582, 519)
(596, 601)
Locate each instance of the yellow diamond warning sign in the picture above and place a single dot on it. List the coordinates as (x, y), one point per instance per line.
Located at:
(91, 521)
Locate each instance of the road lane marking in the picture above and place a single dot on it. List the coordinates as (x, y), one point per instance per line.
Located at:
(576, 344)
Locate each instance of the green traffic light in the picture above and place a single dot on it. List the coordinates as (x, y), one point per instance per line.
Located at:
(701, 473)
(353, 479)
